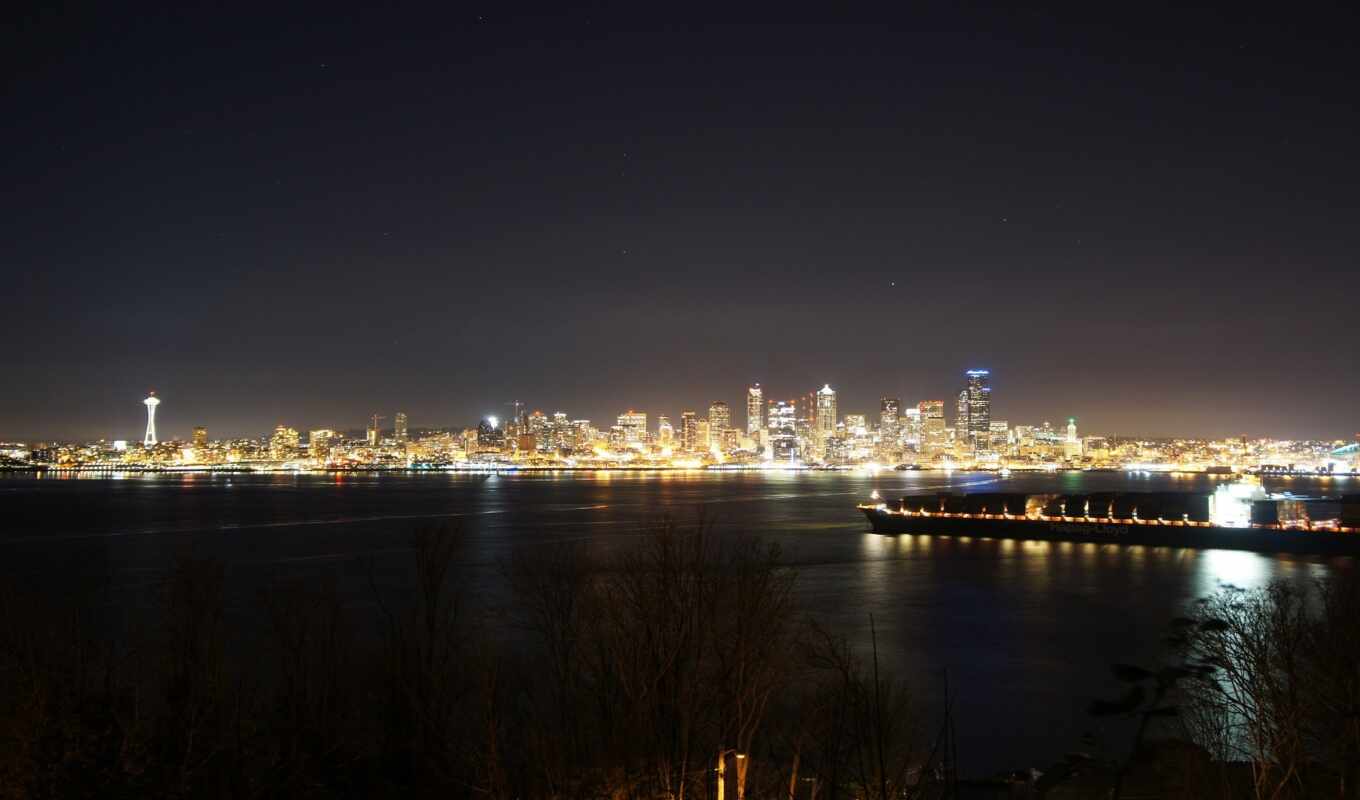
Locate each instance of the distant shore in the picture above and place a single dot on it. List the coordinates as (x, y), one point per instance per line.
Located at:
(482, 469)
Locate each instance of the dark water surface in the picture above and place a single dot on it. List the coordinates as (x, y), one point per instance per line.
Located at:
(1026, 630)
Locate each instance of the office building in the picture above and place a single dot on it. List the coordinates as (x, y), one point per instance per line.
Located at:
(689, 432)
(634, 425)
(319, 444)
(719, 420)
(283, 444)
(490, 436)
(973, 423)
(755, 409)
(889, 421)
(825, 423)
(934, 435)
(781, 420)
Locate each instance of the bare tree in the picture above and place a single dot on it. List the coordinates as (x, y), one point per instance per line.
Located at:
(429, 675)
(1254, 705)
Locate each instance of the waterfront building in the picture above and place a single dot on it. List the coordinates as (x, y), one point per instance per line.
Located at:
(319, 444)
(526, 443)
(934, 437)
(200, 438)
(490, 436)
(1072, 447)
(689, 432)
(998, 437)
(150, 402)
(719, 420)
(755, 409)
(538, 426)
(283, 444)
(730, 440)
(838, 450)
(782, 424)
(634, 426)
(582, 434)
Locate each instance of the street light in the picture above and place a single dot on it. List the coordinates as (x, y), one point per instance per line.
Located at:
(722, 773)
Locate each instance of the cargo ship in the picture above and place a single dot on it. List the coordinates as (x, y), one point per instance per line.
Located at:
(1157, 519)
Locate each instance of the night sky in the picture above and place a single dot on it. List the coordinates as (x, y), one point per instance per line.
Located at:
(1148, 222)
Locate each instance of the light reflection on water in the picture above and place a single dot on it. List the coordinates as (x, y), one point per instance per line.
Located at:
(1027, 629)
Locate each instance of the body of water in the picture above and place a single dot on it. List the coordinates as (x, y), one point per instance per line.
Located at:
(1026, 630)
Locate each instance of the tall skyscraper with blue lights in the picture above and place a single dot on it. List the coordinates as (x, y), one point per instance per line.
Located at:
(973, 423)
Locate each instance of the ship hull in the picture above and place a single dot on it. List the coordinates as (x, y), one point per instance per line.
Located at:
(1257, 540)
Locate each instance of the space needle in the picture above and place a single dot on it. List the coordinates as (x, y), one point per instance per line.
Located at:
(151, 402)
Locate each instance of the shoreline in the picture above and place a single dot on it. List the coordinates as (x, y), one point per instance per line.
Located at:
(501, 469)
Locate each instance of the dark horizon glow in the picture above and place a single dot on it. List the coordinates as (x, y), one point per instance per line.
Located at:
(1143, 222)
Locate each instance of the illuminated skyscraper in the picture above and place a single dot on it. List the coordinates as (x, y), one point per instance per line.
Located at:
(200, 437)
(719, 420)
(933, 436)
(537, 423)
(150, 402)
(826, 413)
(973, 426)
(689, 431)
(910, 424)
(319, 444)
(755, 409)
(582, 434)
(399, 427)
(730, 440)
(559, 432)
(805, 424)
(889, 423)
(490, 436)
(961, 441)
(782, 422)
(283, 444)
(634, 425)
(999, 438)
(374, 431)
(665, 434)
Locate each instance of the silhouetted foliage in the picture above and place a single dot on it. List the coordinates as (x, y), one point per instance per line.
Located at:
(627, 676)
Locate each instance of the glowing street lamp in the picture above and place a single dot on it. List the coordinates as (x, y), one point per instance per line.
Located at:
(722, 773)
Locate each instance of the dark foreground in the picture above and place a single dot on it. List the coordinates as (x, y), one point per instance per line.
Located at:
(1025, 630)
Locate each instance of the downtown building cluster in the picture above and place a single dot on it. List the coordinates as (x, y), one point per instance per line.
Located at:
(804, 431)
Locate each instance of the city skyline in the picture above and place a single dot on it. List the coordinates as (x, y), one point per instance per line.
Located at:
(1143, 221)
(811, 431)
(970, 406)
